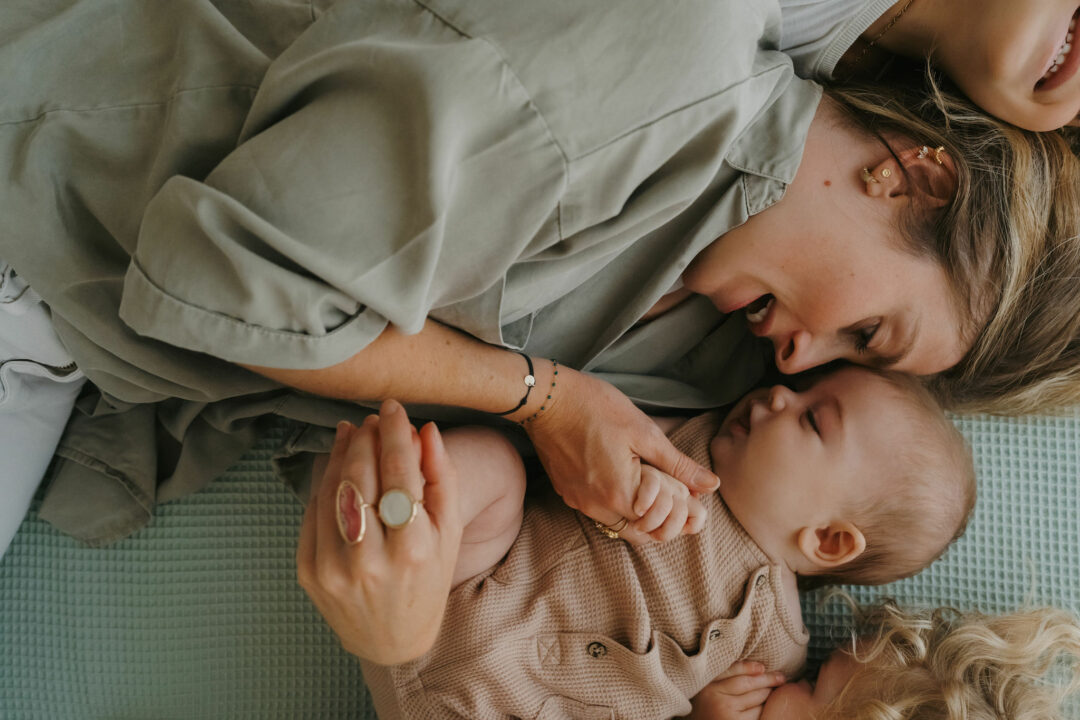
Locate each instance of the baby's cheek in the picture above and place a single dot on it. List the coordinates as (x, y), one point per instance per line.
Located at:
(789, 702)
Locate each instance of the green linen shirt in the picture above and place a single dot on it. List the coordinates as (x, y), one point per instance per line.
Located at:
(206, 182)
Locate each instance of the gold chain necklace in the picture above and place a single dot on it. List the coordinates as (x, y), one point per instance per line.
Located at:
(870, 45)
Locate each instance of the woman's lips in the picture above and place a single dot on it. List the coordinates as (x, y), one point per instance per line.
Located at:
(759, 316)
(1065, 61)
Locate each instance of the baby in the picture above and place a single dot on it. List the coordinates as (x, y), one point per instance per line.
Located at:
(858, 478)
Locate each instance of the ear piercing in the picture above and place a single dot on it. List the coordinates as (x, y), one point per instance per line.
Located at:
(869, 179)
(924, 152)
(886, 173)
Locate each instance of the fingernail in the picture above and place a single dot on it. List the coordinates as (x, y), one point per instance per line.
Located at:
(341, 428)
(436, 437)
(780, 678)
(391, 407)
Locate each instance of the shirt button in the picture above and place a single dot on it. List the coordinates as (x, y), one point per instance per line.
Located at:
(715, 634)
(596, 650)
(761, 580)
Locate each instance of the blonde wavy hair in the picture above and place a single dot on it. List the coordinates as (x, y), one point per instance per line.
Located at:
(948, 665)
(1009, 242)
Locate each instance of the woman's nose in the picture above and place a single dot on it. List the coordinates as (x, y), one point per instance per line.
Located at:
(795, 353)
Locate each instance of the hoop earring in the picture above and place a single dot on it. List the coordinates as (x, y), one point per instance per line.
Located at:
(938, 151)
(868, 177)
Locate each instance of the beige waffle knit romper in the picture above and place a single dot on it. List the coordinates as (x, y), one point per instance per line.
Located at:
(572, 624)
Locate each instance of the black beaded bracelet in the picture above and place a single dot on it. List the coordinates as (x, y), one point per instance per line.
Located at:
(530, 381)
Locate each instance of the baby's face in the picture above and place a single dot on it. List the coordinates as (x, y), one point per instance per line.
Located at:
(788, 460)
(800, 700)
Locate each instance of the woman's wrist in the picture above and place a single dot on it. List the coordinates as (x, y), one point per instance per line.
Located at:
(541, 397)
(528, 383)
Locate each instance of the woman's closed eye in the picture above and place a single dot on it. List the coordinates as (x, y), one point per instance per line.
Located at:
(811, 420)
(865, 335)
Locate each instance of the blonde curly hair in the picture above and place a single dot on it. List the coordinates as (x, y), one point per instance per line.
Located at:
(949, 665)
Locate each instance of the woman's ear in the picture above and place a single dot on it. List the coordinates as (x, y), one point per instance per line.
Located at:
(922, 171)
(836, 544)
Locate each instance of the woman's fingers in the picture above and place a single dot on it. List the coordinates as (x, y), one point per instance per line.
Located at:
(662, 455)
(441, 488)
(305, 548)
(399, 461)
(328, 540)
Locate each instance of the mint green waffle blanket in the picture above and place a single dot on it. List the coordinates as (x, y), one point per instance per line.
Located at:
(199, 615)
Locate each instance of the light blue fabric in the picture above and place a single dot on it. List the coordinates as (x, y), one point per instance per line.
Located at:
(38, 386)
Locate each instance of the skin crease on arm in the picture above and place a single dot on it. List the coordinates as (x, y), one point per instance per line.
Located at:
(591, 439)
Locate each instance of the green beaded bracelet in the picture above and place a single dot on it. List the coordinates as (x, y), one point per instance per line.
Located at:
(543, 407)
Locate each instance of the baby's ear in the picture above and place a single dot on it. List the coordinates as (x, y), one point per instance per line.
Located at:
(831, 546)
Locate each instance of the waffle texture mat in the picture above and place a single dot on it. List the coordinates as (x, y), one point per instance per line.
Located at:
(199, 615)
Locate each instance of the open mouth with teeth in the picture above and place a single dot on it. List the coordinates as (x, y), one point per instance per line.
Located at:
(758, 310)
(1061, 59)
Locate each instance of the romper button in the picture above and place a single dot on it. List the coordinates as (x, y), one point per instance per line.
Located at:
(596, 650)
(715, 634)
(761, 580)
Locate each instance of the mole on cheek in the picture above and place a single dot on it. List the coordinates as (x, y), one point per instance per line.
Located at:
(828, 183)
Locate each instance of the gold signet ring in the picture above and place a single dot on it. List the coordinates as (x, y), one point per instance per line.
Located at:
(351, 526)
(397, 508)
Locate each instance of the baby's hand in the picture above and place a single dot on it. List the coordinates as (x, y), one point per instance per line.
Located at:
(738, 694)
(665, 507)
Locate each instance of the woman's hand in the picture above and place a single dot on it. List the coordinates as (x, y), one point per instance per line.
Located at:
(593, 443)
(385, 595)
(738, 694)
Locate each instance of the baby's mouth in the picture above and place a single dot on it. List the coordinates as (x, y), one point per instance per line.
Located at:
(758, 310)
(1062, 55)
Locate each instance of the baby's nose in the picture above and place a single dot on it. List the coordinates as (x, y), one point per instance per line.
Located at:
(779, 398)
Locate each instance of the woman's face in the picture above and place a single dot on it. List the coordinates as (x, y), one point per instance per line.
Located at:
(1015, 58)
(822, 274)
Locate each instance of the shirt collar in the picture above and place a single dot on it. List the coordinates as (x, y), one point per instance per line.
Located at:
(771, 149)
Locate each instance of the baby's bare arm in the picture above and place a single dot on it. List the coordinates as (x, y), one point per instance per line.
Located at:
(492, 482)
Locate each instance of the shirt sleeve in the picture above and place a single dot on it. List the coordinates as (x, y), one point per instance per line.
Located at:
(389, 165)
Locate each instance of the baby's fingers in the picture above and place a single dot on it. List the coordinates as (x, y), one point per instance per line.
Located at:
(751, 683)
(675, 521)
(696, 514)
(656, 514)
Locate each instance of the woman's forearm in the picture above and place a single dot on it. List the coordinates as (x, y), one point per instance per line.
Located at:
(437, 366)
(590, 437)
